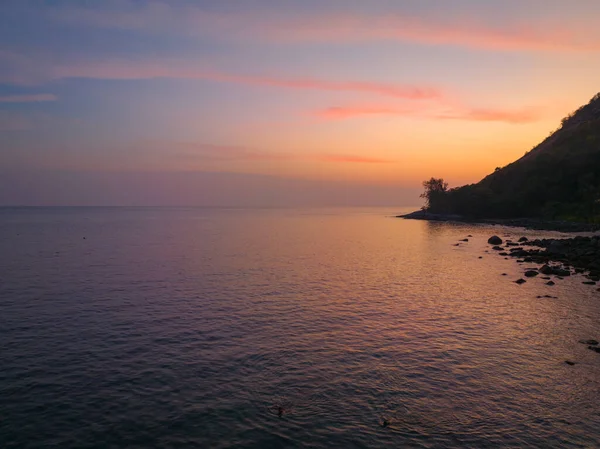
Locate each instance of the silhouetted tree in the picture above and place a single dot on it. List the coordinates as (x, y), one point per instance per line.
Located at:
(435, 194)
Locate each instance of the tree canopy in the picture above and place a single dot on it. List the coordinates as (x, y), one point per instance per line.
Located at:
(434, 194)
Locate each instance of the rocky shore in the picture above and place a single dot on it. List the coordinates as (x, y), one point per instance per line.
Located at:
(558, 257)
(529, 223)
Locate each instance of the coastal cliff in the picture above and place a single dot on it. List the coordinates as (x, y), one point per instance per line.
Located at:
(557, 180)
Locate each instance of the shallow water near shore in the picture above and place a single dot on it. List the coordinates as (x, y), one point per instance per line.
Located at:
(174, 327)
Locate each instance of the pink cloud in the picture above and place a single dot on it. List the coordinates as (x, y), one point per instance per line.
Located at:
(456, 113)
(341, 112)
(34, 98)
(159, 17)
(555, 37)
(495, 115)
(390, 90)
(170, 69)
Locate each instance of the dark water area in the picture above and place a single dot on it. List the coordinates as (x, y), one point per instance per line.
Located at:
(173, 328)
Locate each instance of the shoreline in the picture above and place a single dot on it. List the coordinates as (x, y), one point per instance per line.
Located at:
(527, 223)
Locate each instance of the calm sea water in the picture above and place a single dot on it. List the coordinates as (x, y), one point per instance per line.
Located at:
(175, 328)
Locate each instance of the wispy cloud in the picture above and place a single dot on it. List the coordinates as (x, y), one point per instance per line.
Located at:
(225, 153)
(495, 115)
(340, 26)
(178, 70)
(34, 98)
(452, 112)
(460, 33)
(345, 112)
(28, 71)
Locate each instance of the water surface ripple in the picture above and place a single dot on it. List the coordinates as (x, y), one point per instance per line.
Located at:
(172, 328)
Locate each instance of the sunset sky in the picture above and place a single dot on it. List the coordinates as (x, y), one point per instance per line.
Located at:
(274, 102)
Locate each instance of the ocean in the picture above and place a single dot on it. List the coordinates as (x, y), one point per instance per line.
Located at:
(284, 328)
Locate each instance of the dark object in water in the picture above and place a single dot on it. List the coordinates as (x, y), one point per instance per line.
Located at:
(280, 411)
(495, 240)
(568, 362)
(520, 281)
(385, 423)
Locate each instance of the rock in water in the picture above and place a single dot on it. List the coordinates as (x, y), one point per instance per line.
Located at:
(568, 362)
(589, 342)
(531, 273)
(523, 239)
(520, 281)
(495, 240)
(550, 283)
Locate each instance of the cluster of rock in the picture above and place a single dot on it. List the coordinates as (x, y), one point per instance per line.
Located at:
(559, 257)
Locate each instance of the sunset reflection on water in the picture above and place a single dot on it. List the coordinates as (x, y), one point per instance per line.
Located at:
(193, 325)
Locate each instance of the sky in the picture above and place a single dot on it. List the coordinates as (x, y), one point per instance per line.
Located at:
(279, 102)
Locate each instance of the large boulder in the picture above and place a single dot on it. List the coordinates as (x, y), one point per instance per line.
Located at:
(495, 240)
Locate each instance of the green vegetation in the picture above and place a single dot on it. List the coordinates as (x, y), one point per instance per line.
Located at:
(558, 179)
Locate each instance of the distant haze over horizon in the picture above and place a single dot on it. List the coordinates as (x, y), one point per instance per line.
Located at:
(261, 103)
(46, 188)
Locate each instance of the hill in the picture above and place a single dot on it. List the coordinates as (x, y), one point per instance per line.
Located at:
(558, 179)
